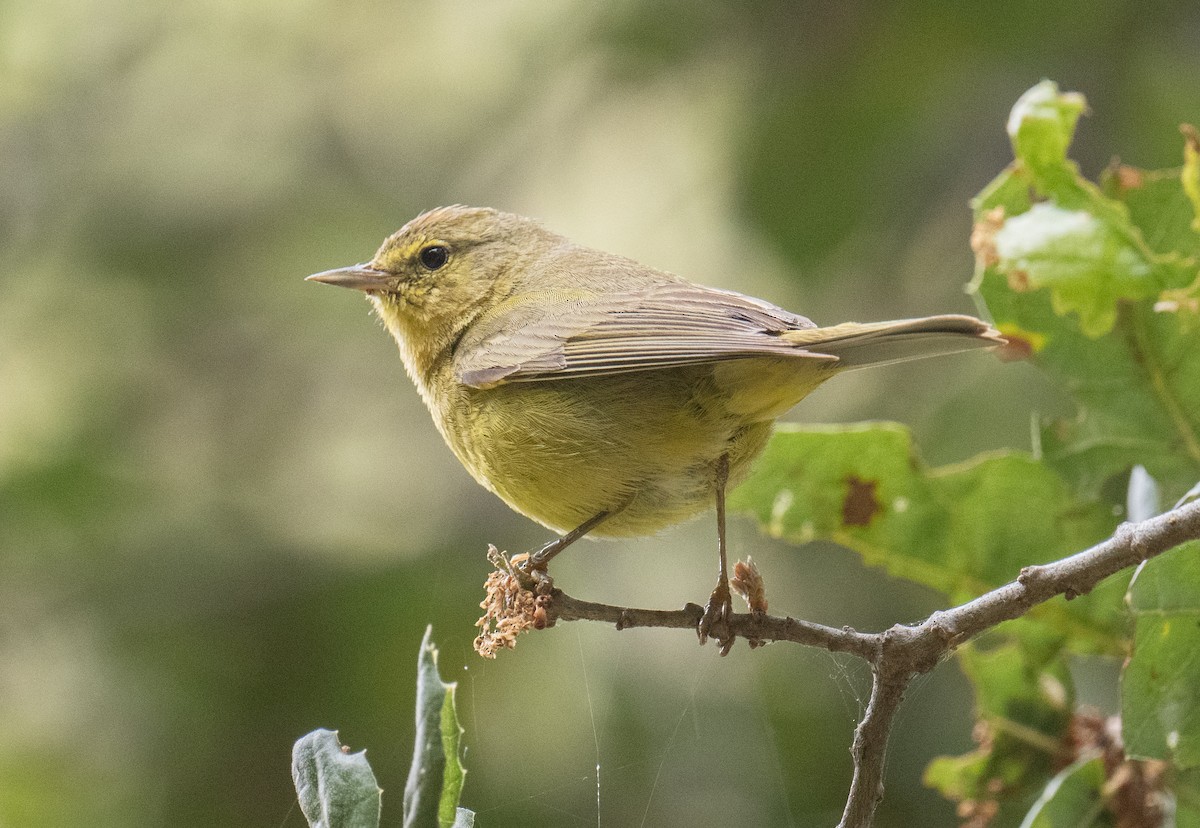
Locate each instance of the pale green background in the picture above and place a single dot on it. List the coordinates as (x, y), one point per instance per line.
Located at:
(225, 518)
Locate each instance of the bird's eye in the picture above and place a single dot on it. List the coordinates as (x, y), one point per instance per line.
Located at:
(433, 257)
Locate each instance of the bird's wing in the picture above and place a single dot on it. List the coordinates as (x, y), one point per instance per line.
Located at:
(536, 338)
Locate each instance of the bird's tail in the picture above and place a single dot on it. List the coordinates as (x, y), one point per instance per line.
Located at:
(858, 345)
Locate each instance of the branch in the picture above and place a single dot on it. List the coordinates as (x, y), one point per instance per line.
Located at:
(902, 652)
(751, 626)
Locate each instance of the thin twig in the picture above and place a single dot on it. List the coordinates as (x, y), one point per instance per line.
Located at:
(903, 652)
(563, 607)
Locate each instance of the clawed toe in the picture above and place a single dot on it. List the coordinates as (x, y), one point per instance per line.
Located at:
(716, 617)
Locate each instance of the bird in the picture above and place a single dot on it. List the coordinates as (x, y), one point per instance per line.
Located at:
(597, 395)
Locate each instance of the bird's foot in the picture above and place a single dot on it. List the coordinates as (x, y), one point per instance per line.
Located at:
(532, 574)
(715, 620)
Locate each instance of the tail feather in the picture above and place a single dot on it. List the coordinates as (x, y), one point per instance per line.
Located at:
(858, 345)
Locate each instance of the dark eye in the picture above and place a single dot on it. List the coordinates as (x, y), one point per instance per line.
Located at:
(433, 257)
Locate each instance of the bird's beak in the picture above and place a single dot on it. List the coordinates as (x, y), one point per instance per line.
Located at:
(359, 277)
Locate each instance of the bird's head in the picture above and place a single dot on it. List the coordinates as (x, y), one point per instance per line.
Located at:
(436, 274)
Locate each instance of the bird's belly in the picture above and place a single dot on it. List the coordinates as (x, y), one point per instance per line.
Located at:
(639, 446)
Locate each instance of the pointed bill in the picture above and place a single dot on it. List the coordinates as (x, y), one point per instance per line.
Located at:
(359, 277)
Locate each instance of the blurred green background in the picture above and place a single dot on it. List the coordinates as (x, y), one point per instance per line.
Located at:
(225, 517)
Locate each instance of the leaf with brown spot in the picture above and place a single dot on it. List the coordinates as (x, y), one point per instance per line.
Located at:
(860, 504)
(961, 529)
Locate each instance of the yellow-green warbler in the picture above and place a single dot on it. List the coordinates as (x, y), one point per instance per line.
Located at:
(595, 394)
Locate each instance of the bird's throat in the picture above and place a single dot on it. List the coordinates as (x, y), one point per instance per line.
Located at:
(426, 346)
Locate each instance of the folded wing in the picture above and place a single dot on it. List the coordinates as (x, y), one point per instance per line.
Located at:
(556, 336)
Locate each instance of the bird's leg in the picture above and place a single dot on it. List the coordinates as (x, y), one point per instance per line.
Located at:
(542, 557)
(720, 604)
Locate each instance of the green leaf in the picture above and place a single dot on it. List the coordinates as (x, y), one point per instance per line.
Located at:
(1081, 244)
(1101, 288)
(436, 777)
(1041, 125)
(1160, 686)
(336, 788)
(1189, 178)
(1009, 193)
(1023, 700)
(1085, 262)
(1137, 390)
(1074, 798)
(1158, 207)
(961, 529)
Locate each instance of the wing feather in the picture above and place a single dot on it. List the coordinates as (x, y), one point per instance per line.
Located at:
(536, 338)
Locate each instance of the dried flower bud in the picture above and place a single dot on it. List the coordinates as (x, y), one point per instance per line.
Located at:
(747, 582)
(508, 608)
